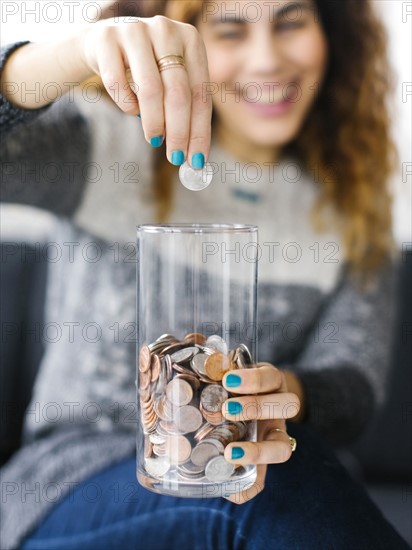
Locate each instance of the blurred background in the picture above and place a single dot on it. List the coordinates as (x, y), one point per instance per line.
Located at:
(382, 460)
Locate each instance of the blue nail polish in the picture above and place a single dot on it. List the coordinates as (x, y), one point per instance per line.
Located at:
(237, 452)
(156, 141)
(234, 407)
(233, 380)
(198, 161)
(178, 157)
(139, 116)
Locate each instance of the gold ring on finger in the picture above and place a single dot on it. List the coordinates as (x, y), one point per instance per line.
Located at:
(292, 440)
(170, 61)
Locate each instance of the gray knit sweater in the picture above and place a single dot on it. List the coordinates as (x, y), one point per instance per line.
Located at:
(88, 163)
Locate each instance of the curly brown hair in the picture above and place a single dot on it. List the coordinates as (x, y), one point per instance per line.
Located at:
(346, 135)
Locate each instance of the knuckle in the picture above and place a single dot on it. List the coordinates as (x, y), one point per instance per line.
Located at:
(259, 380)
(293, 406)
(284, 451)
(178, 95)
(200, 100)
(111, 79)
(128, 108)
(149, 87)
(178, 140)
(191, 32)
(256, 452)
(197, 141)
(105, 32)
(163, 22)
(277, 376)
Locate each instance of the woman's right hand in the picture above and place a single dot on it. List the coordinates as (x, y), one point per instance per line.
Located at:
(172, 103)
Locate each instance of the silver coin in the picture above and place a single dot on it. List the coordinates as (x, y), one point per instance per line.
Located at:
(188, 418)
(190, 468)
(157, 467)
(180, 368)
(195, 180)
(157, 438)
(202, 453)
(198, 363)
(218, 469)
(179, 392)
(217, 343)
(218, 444)
(184, 354)
(212, 398)
(246, 353)
(169, 370)
(192, 379)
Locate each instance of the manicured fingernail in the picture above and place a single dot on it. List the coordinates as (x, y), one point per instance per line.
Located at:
(233, 380)
(156, 141)
(178, 157)
(139, 116)
(237, 452)
(234, 407)
(198, 161)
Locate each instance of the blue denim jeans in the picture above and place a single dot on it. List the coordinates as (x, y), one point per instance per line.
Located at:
(309, 502)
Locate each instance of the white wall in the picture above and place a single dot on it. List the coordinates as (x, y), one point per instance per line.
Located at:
(48, 19)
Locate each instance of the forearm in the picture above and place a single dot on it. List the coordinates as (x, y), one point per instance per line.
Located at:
(295, 386)
(28, 73)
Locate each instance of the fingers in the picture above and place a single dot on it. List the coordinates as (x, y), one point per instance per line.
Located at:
(265, 378)
(274, 450)
(112, 72)
(177, 95)
(201, 104)
(261, 407)
(171, 103)
(145, 73)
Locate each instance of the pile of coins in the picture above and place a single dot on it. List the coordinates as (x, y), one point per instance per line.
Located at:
(181, 398)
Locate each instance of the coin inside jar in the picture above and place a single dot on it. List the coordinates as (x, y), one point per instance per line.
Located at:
(216, 365)
(188, 418)
(195, 180)
(178, 449)
(203, 452)
(144, 359)
(218, 469)
(212, 398)
(179, 392)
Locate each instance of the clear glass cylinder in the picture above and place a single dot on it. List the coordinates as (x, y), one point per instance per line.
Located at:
(196, 315)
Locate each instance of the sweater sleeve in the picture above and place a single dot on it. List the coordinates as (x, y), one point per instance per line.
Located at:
(345, 363)
(44, 152)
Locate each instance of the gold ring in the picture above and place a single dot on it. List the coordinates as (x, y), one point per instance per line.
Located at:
(169, 61)
(292, 440)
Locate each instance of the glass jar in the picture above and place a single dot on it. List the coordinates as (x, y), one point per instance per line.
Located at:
(196, 313)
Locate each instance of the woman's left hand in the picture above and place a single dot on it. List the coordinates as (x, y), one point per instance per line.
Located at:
(272, 405)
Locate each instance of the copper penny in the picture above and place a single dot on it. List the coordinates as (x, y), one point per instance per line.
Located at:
(145, 379)
(216, 365)
(144, 359)
(155, 367)
(148, 447)
(195, 338)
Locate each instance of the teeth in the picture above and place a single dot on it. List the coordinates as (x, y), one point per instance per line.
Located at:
(269, 100)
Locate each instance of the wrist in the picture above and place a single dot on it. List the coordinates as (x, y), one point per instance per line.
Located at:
(295, 386)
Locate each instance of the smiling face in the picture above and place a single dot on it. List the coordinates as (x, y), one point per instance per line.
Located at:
(274, 56)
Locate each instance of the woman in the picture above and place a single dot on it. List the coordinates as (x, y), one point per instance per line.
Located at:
(298, 92)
